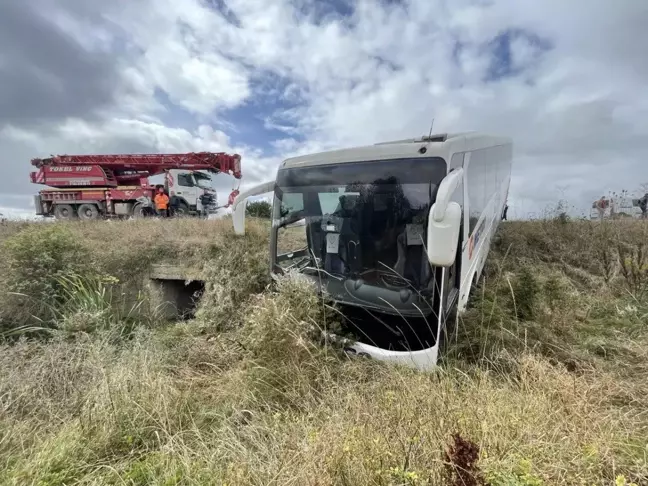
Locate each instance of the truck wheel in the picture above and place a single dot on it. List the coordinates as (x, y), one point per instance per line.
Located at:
(182, 209)
(140, 211)
(64, 212)
(88, 212)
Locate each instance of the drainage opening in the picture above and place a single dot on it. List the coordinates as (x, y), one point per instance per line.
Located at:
(188, 298)
(178, 299)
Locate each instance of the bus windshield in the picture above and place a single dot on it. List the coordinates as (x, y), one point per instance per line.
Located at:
(363, 221)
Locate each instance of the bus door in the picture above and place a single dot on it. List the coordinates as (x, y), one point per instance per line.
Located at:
(452, 274)
(449, 278)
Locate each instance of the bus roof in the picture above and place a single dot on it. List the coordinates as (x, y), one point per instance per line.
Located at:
(438, 145)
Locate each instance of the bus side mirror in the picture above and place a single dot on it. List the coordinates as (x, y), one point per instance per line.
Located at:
(443, 235)
(238, 217)
(240, 204)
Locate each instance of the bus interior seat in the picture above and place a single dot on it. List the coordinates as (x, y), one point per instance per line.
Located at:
(380, 228)
(348, 256)
(412, 263)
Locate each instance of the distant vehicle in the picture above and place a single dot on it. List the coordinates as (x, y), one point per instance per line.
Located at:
(615, 208)
(395, 233)
(103, 186)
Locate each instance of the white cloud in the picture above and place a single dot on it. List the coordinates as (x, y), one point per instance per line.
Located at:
(172, 45)
(575, 107)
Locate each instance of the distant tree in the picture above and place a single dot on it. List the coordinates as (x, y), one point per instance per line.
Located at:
(259, 209)
(643, 188)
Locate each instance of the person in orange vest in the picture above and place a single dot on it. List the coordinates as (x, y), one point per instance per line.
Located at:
(161, 201)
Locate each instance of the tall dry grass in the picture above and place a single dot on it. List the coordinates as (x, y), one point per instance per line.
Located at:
(37, 259)
(546, 382)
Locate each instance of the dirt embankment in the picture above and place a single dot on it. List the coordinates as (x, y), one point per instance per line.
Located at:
(545, 383)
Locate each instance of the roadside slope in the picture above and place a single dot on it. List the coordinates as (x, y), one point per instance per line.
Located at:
(545, 383)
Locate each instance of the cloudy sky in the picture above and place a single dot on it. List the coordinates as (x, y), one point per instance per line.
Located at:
(272, 78)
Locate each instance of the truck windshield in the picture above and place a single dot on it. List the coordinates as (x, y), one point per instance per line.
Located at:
(203, 180)
(363, 221)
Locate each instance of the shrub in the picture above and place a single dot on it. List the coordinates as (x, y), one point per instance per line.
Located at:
(554, 291)
(259, 209)
(525, 290)
(520, 475)
(236, 269)
(97, 303)
(633, 260)
(283, 335)
(36, 259)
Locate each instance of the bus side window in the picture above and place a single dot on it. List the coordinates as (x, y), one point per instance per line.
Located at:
(457, 160)
(476, 181)
(291, 202)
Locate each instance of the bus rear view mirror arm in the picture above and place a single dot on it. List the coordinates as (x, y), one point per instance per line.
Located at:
(240, 204)
(444, 223)
(446, 189)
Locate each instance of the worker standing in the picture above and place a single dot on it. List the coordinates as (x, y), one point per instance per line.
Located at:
(601, 205)
(161, 201)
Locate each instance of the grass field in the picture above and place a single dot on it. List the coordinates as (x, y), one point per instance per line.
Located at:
(546, 382)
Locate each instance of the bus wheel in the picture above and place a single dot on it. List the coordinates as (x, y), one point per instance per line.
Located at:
(88, 212)
(64, 212)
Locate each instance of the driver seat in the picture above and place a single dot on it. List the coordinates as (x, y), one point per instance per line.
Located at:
(412, 263)
(348, 256)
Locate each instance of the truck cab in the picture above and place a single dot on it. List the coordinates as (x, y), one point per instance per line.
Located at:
(191, 192)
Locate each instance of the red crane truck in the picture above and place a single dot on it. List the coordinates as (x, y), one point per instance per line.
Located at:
(106, 186)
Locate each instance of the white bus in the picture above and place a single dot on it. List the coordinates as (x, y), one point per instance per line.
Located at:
(395, 234)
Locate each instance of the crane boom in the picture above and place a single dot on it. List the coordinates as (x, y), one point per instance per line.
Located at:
(120, 169)
(117, 185)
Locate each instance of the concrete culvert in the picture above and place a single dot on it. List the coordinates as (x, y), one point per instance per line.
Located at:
(176, 299)
(174, 291)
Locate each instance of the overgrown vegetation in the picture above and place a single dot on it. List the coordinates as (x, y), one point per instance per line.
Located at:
(545, 381)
